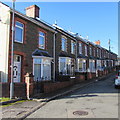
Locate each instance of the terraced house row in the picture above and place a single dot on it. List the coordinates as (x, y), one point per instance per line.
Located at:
(51, 57)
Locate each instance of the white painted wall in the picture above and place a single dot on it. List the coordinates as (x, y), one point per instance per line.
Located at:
(4, 40)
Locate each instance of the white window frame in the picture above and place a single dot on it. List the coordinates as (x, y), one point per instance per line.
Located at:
(43, 36)
(42, 64)
(73, 47)
(80, 48)
(64, 39)
(22, 28)
(83, 61)
(68, 60)
(99, 64)
(92, 69)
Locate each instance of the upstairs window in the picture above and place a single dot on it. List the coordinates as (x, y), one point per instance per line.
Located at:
(41, 40)
(80, 48)
(97, 52)
(85, 50)
(100, 54)
(90, 50)
(19, 32)
(73, 47)
(64, 44)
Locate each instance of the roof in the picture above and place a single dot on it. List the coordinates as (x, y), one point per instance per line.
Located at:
(39, 52)
(81, 56)
(63, 54)
(37, 21)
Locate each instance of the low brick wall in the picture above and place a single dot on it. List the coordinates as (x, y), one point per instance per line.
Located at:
(63, 78)
(79, 78)
(51, 87)
(19, 90)
(5, 89)
(91, 75)
(100, 73)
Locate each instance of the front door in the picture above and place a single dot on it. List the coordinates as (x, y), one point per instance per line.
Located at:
(17, 68)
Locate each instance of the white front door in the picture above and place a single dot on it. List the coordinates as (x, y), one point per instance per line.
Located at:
(17, 68)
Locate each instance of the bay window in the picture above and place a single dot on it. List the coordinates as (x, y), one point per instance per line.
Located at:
(98, 64)
(42, 68)
(81, 65)
(66, 66)
(92, 65)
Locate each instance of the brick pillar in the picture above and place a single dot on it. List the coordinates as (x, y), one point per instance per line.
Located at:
(29, 84)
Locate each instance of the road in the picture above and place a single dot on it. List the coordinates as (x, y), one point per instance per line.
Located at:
(98, 100)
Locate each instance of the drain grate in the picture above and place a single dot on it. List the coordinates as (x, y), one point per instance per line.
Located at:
(81, 113)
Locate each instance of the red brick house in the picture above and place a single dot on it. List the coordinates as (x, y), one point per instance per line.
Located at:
(33, 50)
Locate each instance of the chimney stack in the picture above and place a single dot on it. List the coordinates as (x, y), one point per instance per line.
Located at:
(97, 42)
(32, 11)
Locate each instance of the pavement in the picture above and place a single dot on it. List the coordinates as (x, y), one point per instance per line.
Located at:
(21, 110)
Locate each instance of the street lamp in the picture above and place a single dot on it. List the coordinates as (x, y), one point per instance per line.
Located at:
(12, 51)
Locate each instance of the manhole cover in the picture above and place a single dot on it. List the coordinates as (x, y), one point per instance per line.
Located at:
(81, 113)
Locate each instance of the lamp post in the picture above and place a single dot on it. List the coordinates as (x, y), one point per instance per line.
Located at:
(12, 51)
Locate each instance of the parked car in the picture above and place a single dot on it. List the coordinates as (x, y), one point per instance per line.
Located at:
(117, 79)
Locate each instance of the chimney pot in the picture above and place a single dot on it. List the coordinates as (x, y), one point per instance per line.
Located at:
(97, 42)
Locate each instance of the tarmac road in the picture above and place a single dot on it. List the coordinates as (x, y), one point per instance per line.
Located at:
(98, 100)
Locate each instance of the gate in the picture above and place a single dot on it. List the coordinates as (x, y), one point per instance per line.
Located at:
(38, 86)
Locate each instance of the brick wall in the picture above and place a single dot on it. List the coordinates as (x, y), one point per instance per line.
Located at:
(79, 77)
(51, 87)
(19, 90)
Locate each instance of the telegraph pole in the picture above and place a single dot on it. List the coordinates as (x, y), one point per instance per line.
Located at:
(12, 50)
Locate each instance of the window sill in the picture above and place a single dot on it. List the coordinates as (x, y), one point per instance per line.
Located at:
(18, 42)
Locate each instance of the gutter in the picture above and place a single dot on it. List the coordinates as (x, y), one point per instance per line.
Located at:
(54, 56)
